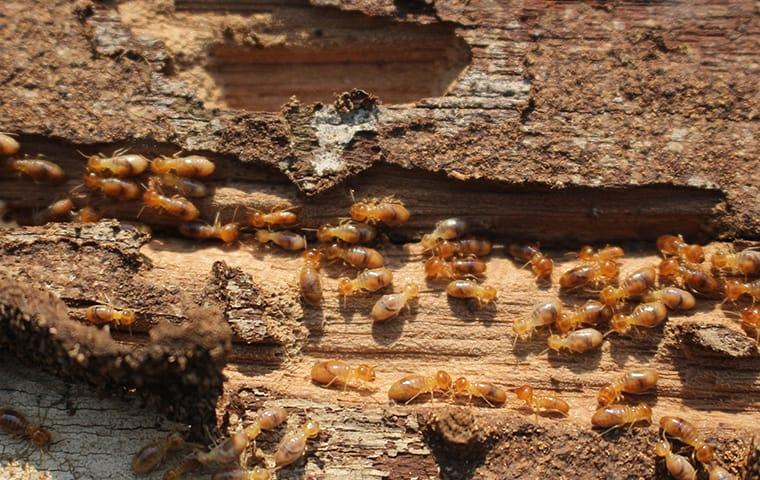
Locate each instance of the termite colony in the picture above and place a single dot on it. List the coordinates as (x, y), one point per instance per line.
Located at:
(231, 458)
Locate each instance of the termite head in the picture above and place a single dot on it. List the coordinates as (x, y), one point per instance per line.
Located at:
(360, 211)
(444, 249)
(366, 373)
(733, 289)
(543, 268)
(443, 380)
(333, 251)
(489, 293)
(522, 327)
(91, 180)
(460, 385)
(229, 233)
(608, 269)
(312, 256)
(411, 291)
(175, 440)
(610, 295)
(606, 395)
(428, 242)
(662, 449)
(555, 342)
(324, 233)
(669, 268)
(751, 314)
(704, 453)
(256, 219)
(345, 286)
(619, 323)
(694, 253)
(41, 437)
(311, 428)
(128, 318)
(524, 392)
(586, 252)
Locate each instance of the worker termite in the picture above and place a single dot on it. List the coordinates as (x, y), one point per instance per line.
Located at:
(733, 289)
(689, 275)
(590, 313)
(750, 320)
(588, 254)
(634, 381)
(634, 285)
(578, 341)
(150, 456)
(105, 314)
(120, 164)
(256, 473)
(687, 433)
(388, 211)
(673, 297)
(356, 256)
(347, 232)
(647, 315)
(280, 218)
(544, 314)
(412, 386)
(746, 262)
(190, 166)
(617, 415)
(309, 279)
(284, 239)
(678, 466)
(227, 233)
(175, 206)
(338, 372)
(674, 245)
(488, 392)
(541, 403)
(16, 424)
(589, 273)
(470, 289)
(60, 210)
(463, 247)
(367, 280)
(448, 229)
(37, 169)
(390, 306)
(293, 445)
(187, 187)
(113, 187)
(541, 265)
(437, 267)
(8, 145)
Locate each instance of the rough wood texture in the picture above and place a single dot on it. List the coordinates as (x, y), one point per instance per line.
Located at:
(563, 122)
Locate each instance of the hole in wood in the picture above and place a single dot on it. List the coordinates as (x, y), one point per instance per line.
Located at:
(314, 53)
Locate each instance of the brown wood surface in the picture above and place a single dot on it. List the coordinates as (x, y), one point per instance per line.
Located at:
(564, 123)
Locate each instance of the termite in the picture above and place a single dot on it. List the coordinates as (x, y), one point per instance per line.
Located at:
(578, 341)
(37, 169)
(541, 403)
(356, 256)
(293, 445)
(338, 372)
(348, 232)
(687, 433)
(105, 314)
(588, 254)
(410, 387)
(175, 206)
(733, 289)
(119, 165)
(470, 289)
(190, 166)
(309, 279)
(634, 381)
(390, 306)
(746, 262)
(437, 267)
(280, 218)
(463, 247)
(152, 455)
(675, 246)
(590, 313)
(678, 466)
(589, 273)
(617, 415)
(187, 187)
(689, 275)
(673, 297)
(750, 320)
(8, 145)
(113, 187)
(88, 215)
(543, 315)
(16, 424)
(541, 265)
(488, 392)
(227, 233)
(60, 210)
(448, 229)
(634, 285)
(367, 280)
(388, 211)
(647, 315)
(284, 239)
